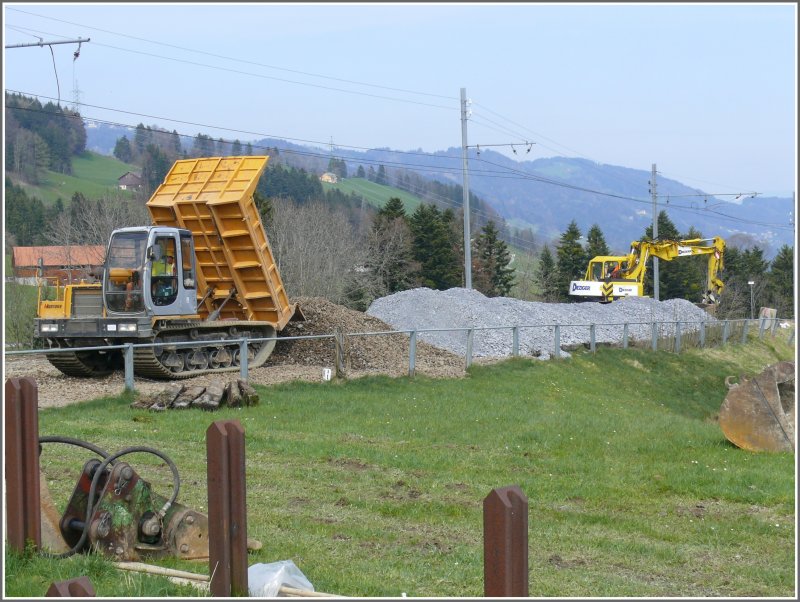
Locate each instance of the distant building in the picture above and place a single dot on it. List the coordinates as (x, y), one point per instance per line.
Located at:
(70, 264)
(130, 180)
(330, 178)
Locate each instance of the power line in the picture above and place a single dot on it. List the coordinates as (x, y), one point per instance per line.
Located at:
(521, 175)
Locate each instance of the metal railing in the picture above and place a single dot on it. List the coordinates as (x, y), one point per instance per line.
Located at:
(670, 336)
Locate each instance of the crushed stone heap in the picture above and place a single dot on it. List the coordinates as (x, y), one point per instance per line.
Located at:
(424, 308)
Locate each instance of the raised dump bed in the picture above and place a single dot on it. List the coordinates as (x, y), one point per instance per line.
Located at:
(213, 198)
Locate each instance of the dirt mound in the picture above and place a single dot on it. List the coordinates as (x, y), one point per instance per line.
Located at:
(386, 354)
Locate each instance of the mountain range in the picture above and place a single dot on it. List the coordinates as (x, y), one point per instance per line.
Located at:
(545, 194)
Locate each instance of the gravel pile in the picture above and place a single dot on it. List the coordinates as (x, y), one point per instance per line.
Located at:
(424, 308)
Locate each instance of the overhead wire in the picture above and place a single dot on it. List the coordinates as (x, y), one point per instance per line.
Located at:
(504, 173)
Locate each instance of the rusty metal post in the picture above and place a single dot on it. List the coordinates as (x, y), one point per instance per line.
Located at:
(505, 543)
(23, 498)
(80, 587)
(227, 509)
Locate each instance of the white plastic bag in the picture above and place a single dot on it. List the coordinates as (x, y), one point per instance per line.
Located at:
(265, 580)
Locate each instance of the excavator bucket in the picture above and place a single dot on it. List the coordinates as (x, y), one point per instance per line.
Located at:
(758, 413)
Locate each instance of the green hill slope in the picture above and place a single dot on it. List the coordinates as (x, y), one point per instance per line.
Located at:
(94, 176)
(375, 194)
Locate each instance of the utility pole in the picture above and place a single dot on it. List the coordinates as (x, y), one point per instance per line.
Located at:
(467, 245)
(655, 230)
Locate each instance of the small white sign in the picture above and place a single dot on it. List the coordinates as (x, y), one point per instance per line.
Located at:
(327, 373)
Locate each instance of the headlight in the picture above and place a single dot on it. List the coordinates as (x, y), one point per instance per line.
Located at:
(127, 327)
(111, 327)
(49, 328)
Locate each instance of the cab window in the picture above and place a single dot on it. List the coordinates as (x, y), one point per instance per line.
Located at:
(164, 273)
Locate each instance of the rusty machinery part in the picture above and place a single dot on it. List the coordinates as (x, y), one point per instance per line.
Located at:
(758, 413)
(96, 525)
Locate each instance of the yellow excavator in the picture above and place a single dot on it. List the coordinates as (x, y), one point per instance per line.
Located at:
(610, 277)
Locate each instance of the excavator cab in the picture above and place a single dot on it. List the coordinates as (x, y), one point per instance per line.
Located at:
(150, 271)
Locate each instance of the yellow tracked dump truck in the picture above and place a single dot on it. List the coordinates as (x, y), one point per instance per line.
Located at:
(610, 277)
(203, 273)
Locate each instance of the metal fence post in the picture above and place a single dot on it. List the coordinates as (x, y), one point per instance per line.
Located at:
(762, 326)
(557, 340)
(774, 325)
(515, 342)
(592, 338)
(227, 510)
(655, 337)
(505, 543)
(744, 331)
(625, 335)
(791, 336)
(468, 358)
(412, 353)
(677, 337)
(725, 332)
(23, 497)
(702, 334)
(129, 366)
(243, 359)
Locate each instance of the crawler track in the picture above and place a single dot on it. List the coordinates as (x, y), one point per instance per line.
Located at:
(82, 363)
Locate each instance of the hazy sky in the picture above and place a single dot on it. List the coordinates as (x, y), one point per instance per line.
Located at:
(707, 92)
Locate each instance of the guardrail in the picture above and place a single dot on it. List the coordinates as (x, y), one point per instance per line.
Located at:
(672, 336)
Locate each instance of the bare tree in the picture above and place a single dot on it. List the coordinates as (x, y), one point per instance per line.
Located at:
(317, 251)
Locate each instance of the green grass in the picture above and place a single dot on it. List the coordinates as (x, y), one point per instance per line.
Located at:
(374, 487)
(95, 176)
(375, 194)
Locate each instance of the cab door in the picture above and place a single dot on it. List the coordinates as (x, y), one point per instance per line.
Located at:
(171, 275)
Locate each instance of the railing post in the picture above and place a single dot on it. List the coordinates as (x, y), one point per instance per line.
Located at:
(774, 325)
(80, 587)
(677, 337)
(592, 346)
(724, 332)
(702, 334)
(557, 340)
(129, 366)
(625, 335)
(227, 509)
(505, 543)
(243, 359)
(791, 336)
(515, 342)
(744, 331)
(655, 337)
(468, 358)
(23, 498)
(762, 326)
(412, 353)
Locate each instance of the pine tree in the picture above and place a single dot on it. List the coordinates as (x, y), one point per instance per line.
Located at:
(547, 276)
(570, 259)
(122, 150)
(391, 254)
(236, 150)
(381, 179)
(361, 173)
(596, 242)
(435, 247)
(781, 282)
(492, 274)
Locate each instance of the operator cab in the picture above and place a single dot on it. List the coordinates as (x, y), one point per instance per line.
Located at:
(150, 271)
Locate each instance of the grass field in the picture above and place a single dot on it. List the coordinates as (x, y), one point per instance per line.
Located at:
(374, 487)
(95, 176)
(375, 194)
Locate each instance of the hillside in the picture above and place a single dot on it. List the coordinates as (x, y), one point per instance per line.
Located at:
(94, 176)
(374, 194)
(547, 193)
